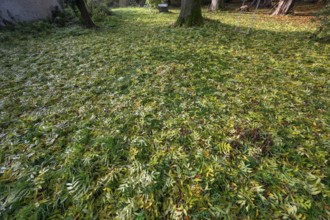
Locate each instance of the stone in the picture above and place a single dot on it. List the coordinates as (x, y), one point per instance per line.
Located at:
(14, 11)
(163, 7)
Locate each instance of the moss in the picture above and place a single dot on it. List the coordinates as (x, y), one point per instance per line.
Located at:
(189, 21)
(194, 19)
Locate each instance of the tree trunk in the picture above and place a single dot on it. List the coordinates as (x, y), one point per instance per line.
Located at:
(190, 14)
(284, 7)
(217, 5)
(84, 14)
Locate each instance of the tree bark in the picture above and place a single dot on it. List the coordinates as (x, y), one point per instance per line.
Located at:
(284, 7)
(190, 14)
(217, 5)
(84, 14)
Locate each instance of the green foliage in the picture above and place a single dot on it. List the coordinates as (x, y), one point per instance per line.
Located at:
(99, 9)
(60, 18)
(147, 121)
(153, 3)
(323, 18)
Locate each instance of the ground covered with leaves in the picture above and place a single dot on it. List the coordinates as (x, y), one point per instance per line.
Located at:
(141, 120)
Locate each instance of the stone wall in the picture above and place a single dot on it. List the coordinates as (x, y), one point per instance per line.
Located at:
(14, 11)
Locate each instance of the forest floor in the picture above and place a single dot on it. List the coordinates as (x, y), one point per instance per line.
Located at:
(141, 120)
(300, 9)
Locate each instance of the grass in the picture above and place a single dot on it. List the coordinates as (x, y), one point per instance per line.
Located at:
(141, 120)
